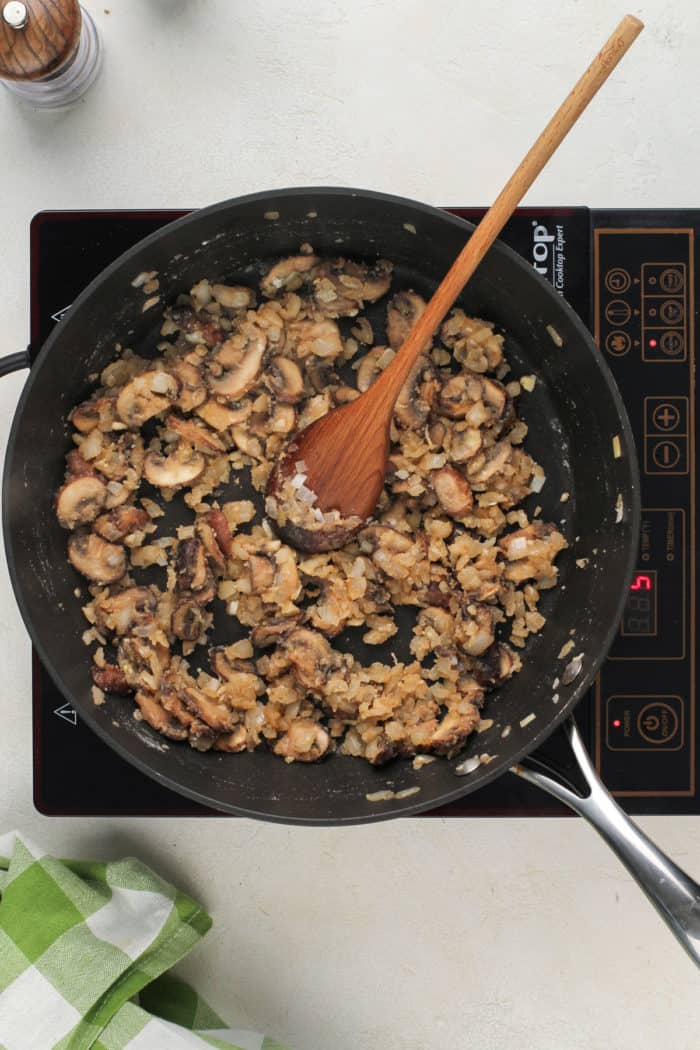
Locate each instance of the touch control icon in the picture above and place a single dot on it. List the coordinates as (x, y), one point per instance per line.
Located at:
(617, 280)
(666, 454)
(672, 280)
(645, 722)
(657, 722)
(672, 344)
(671, 311)
(618, 343)
(618, 312)
(665, 416)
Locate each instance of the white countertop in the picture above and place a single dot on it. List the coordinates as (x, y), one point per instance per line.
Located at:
(416, 934)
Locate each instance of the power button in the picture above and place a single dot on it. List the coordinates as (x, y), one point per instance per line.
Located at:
(645, 723)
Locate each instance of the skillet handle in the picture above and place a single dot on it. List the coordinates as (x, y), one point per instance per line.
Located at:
(13, 362)
(673, 893)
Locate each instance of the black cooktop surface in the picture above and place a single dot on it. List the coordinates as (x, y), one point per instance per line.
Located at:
(630, 276)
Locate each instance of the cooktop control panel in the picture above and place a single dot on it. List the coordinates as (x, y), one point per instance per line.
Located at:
(643, 321)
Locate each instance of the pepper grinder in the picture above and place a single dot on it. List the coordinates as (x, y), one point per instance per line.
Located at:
(50, 53)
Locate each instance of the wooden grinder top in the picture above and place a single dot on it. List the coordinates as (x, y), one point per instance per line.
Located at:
(37, 37)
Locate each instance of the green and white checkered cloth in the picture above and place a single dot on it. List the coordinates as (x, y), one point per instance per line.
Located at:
(84, 952)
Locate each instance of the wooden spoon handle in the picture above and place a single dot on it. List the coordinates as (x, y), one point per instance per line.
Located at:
(390, 382)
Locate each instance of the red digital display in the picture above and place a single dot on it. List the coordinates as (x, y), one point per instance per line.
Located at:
(640, 610)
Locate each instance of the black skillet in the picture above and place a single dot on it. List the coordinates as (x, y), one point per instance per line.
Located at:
(574, 413)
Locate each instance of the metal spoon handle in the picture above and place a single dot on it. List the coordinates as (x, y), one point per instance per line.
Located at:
(673, 893)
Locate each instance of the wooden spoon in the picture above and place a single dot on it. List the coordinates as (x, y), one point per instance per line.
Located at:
(342, 457)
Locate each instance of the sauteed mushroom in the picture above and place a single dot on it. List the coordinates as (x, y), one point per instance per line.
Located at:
(121, 522)
(284, 378)
(145, 396)
(80, 501)
(402, 313)
(95, 558)
(181, 467)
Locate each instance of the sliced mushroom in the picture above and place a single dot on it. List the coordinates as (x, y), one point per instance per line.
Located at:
(233, 296)
(495, 395)
(473, 397)
(456, 726)
(145, 396)
(232, 742)
(142, 662)
(158, 718)
(170, 685)
(202, 737)
(262, 573)
(311, 657)
(95, 558)
(494, 461)
(191, 565)
(320, 374)
(474, 628)
(238, 379)
(318, 338)
(284, 379)
(459, 394)
(199, 436)
(98, 412)
(230, 668)
(248, 335)
(417, 395)
(288, 274)
(464, 445)
(120, 522)
(128, 609)
(80, 500)
(304, 741)
(205, 533)
(222, 666)
(77, 466)
(369, 367)
(341, 287)
(273, 630)
(222, 530)
(181, 467)
(221, 417)
(205, 594)
(111, 679)
(401, 315)
(453, 491)
(189, 621)
(214, 714)
(196, 327)
(193, 391)
(121, 459)
(498, 664)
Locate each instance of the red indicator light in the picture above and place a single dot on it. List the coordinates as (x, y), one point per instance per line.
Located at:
(641, 583)
(652, 342)
(617, 723)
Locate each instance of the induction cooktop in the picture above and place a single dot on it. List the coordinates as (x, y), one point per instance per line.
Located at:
(630, 275)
